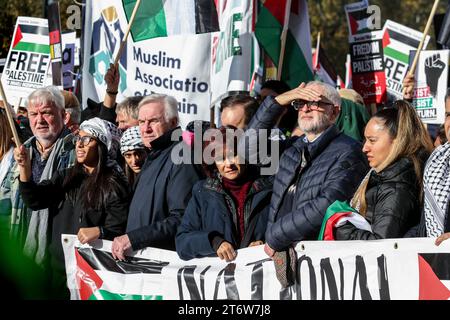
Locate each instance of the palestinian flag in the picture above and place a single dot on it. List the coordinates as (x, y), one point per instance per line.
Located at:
(95, 265)
(358, 21)
(162, 18)
(434, 276)
(31, 38)
(393, 39)
(337, 214)
(297, 64)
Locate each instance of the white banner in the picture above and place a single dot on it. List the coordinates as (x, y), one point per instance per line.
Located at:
(431, 85)
(28, 61)
(232, 48)
(177, 65)
(341, 270)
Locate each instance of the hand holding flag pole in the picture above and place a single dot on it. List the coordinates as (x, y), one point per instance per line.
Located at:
(422, 41)
(124, 40)
(9, 115)
(287, 13)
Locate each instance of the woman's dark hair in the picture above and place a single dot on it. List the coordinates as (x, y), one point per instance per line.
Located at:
(130, 175)
(224, 137)
(97, 185)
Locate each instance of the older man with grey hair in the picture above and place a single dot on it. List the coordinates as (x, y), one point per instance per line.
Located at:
(315, 169)
(164, 187)
(51, 149)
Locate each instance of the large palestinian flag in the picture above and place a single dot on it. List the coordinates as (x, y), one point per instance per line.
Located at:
(158, 18)
(297, 64)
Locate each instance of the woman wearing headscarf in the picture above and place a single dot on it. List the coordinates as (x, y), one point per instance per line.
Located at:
(90, 199)
(134, 152)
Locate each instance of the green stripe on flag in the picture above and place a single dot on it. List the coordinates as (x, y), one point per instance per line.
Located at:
(150, 21)
(268, 32)
(106, 295)
(32, 47)
(396, 55)
(295, 68)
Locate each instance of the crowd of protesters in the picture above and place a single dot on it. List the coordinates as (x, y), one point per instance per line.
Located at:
(109, 172)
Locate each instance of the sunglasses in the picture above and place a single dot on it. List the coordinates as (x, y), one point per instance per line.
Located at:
(312, 105)
(84, 140)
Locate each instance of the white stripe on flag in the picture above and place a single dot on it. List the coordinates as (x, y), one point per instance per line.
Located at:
(299, 27)
(180, 16)
(35, 38)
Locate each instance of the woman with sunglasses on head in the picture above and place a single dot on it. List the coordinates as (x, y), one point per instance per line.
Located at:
(397, 146)
(90, 199)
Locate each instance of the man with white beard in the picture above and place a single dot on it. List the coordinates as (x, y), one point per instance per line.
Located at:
(315, 169)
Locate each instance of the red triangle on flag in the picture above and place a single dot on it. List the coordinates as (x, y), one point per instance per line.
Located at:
(353, 24)
(430, 287)
(18, 36)
(87, 279)
(386, 38)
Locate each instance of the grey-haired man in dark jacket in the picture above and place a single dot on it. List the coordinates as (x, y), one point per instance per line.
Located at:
(315, 169)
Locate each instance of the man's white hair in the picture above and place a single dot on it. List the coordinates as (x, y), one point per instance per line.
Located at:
(50, 94)
(170, 105)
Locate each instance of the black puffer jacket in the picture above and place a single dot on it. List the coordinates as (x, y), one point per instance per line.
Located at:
(393, 204)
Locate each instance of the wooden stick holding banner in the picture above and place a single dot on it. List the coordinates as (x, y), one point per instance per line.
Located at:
(125, 37)
(425, 33)
(316, 61)
(10, 117)
(287, 13)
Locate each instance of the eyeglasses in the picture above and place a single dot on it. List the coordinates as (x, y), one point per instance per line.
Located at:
(312, 105)
(84, 140)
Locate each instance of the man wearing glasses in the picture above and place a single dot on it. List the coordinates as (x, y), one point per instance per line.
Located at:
(315, 169)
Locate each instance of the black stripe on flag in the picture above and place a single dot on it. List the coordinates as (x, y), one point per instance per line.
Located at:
(360, 14)
(439, 262)
(402, 38)
(206, 19)
(25, 28)
(104, 261)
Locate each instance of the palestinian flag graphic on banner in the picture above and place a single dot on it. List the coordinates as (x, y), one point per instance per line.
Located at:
(434, 276)
(358, 21)
(297, 64)
(90, 262)
(159, 18)
(337, 214)
(31, 38)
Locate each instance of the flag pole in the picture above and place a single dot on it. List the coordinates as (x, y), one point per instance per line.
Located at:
(425, 33)
(125, 37)
(9, 115)
(316, 63)
(287, 13)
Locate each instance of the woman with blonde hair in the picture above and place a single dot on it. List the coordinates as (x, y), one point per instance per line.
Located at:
(397, 146)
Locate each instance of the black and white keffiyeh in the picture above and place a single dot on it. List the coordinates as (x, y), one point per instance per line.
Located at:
(131, 140)
(436, 184)
(106, 132)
